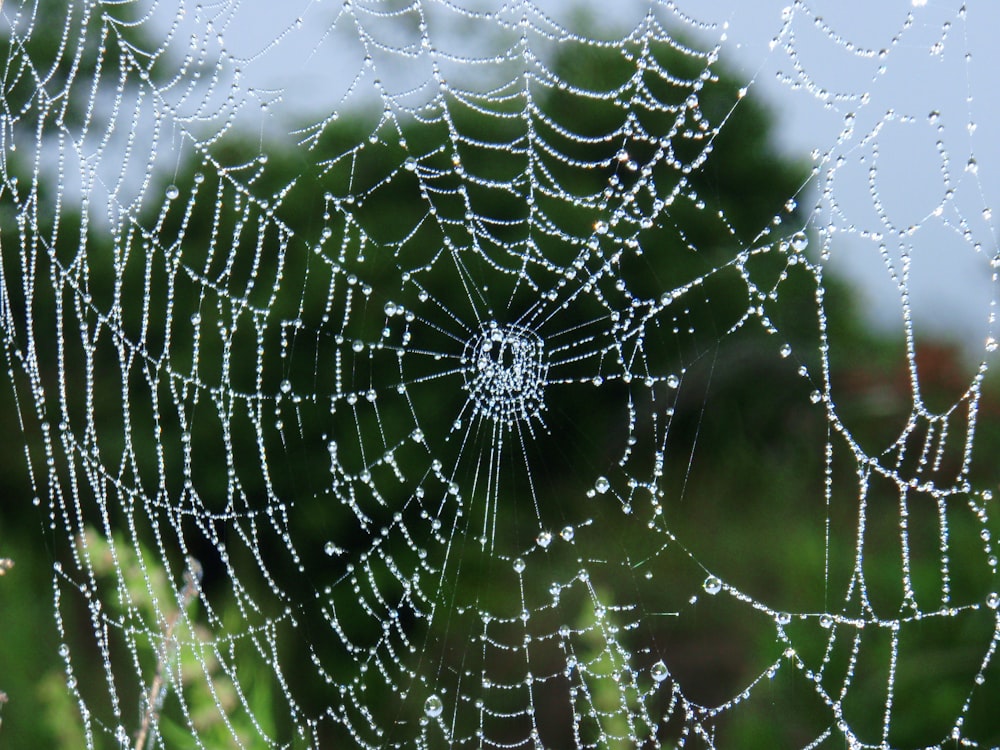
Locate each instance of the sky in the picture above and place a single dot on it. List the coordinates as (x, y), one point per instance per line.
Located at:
(894, 101)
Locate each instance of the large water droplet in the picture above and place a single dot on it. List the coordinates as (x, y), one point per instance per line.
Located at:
(602, 485)
(659, 671)
(172, 192)
(799, 242)
(544, 539)
(993, 600)
(433, 706)
(712, 585)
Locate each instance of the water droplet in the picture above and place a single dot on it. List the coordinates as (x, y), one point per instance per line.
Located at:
(172, 192)
(417, 436)
(815, 397)
(712, 585)
(286, 386)
(567, 533)
(799, 242)
(433, 706)
(602, 485)
(783, 618)
(519, 565)
(993, 600)
(786, 350)
(544, 539)
(991, 344)
(825, 621)
(331, 549)
(390, 309)
(659, 671)
(673, 381)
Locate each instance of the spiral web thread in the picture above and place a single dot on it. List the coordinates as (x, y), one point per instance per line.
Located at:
(402, 445)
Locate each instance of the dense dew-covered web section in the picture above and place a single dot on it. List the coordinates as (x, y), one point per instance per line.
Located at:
(487, 381)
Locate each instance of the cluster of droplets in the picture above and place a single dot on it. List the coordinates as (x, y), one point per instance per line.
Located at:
(505, 373)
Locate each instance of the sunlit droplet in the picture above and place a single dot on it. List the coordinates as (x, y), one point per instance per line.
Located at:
(433, 706)
(659, 671)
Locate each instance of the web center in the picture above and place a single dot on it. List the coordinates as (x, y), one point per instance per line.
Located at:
(505, 373)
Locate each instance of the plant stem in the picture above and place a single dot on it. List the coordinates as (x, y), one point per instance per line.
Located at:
(157, 691)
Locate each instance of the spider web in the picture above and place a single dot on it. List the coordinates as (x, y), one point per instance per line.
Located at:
(482, 410)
